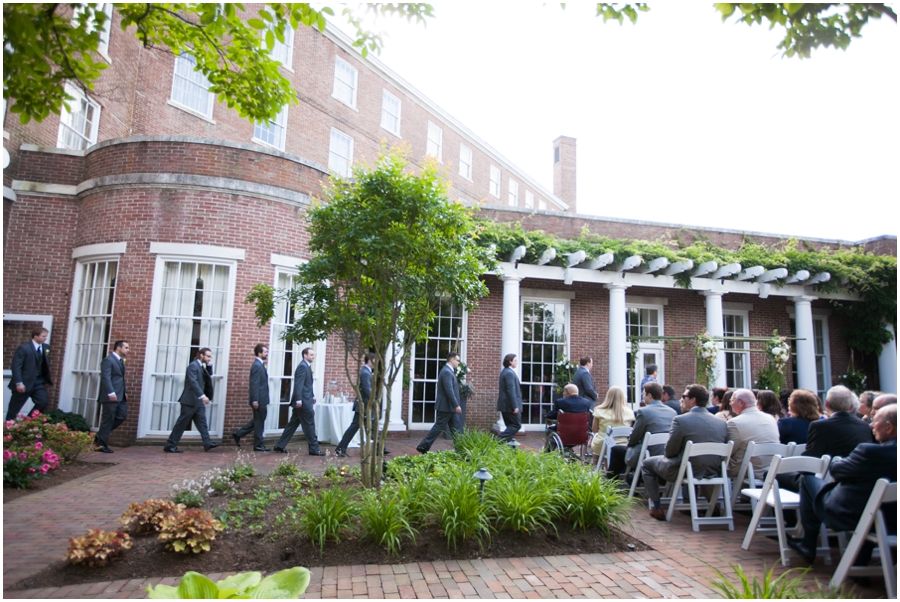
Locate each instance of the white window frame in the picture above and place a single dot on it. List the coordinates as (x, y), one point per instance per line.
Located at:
(465, 161)
(532, 296)
(656, 347)
(542, 204)
(285, 48)
(344, 171)
(89, 138)
(435, 141)
(276, 127)
(513, 193)
(184, 60)
(821, 316)
(386, 115)
(740, 349)
(495, 181)
(103, 46)
(529, 199)
(346, 82)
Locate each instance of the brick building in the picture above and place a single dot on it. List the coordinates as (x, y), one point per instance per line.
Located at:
(149, 212)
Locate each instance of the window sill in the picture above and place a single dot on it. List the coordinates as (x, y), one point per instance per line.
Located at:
(266, 144)
(397, 134)
(190, 111)
(343, 102)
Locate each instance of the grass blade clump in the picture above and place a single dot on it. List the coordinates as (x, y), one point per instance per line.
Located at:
(383, 520)
(461, 513)
(521, 504)
(326, 515)
(587, 499)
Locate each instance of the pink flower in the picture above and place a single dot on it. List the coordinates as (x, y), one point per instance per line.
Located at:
(38, 445)
(7, 455)
(10, 424)
(38, 436)
(8, 437)
(22, 456)
(45, 468)
(31, 470)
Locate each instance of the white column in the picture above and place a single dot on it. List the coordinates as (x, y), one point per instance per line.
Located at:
(715, 327)
(887, 364)
(511, 327)
(395, 420)
(618, 365)
(806, 344)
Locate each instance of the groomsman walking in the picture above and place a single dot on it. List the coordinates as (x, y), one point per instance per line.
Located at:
(259, 400)
(111, 397)
(196, 396)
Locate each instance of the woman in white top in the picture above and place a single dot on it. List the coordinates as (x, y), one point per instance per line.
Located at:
(612, 412)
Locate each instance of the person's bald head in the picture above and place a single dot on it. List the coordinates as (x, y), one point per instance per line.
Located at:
(570, 390)
(883, 400)
(741, 400)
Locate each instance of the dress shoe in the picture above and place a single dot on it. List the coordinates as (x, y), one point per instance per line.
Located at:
(658, 514)
(808, 555)
(421, 450)
(237, 439)
(262, 448)
(340, 453)
(211, 446)
(172, 450)
(387, 452)
(104, 449)
(280, 450)
(318, 452)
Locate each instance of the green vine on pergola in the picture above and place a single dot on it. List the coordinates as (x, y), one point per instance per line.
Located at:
(872, 277)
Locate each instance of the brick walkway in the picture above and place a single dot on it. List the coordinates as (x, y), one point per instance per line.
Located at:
(36, 529)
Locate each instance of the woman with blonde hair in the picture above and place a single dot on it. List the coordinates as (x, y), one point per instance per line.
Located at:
(612, 412)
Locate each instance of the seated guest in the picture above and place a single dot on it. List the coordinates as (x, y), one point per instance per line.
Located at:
(612, 412)
(725, 412)
(749, 424)
(839, 504)
(694, 424)
(865, 412)
(784, 396)
(669, 398)
(804, 408)
(570, 403)
(842, 431)
(654, 417)
(885, 399)
(769, 403)
(715, 399)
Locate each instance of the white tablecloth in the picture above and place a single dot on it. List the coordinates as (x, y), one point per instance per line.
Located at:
(332, 419)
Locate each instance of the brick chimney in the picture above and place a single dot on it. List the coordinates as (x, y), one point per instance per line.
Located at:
(564, 170)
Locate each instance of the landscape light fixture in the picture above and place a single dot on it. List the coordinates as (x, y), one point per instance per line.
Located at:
(483, 475)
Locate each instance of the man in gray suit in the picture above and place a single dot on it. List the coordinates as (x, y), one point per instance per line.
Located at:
(359, 409)
(304, 414)
(196, 396)
(111, 397)
(654, 417)
(446, 403)
(258, 399)
(30, 372)
(749, 424)
(696, 424)
(584, 381)
(509, 401)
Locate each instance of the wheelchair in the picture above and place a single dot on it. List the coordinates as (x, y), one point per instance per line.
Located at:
(572, 430)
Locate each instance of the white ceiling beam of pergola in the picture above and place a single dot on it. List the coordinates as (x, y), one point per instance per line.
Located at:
(517, 254)
(769, 276)
(601, 261)
(798, 277)
(547, 256)
(705, 268)
(678, 267)
(655, 265)
(819, 278)
(726, 271)
(629, 264)
(751, 273)
(576, 258)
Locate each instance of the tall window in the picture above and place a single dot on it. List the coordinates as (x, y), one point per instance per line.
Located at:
(190, 88)
(544, 342)
(643, 321)
(513, 193)
(283, 52)
(192, 310)
(340, 153)
(822, 351)
(95, 291)
(390, 112)
(465, 161)
(435, 141)
(429, 357)
(346, 80)
(107, 8)
(79, 124)
(273, 132)
(737, 355)
(529, 199)
(495, 181)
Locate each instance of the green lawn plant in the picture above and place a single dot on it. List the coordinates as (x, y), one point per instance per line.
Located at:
(459, 508)
(788, 585)
(412, 493)
(587, 499)
(286, 468)
(327, 515)
(286, 584)
(518, 503)
(383, 517)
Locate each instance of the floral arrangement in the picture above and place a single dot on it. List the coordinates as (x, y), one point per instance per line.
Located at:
(563, 373)
(706, 350)
(855, 380)
(465, 389)
(778, 353)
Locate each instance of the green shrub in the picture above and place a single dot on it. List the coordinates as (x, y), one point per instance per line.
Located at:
(191, 492)
(286, 468)
(383, 520)
(413, 495)
(587, 499)
(461, 512)
(478, 446)
(24, 434)
(785, 586)
(242, 468)
(20, 469)
(326, 515)
(433, 464)
(97, 548)
(521, 504)
(189, 531)
(286, 584)
(74, 422)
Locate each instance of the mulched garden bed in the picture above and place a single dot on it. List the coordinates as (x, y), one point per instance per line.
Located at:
(58, 476)
(267, 543)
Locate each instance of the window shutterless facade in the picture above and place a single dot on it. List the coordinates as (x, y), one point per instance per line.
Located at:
(390, 112)
(823, 354)
(529, 199)
(737, 354)
(283, 52)
(79, 124)
(447, 332)
(513, 193)
(465, 162)
(346, 81)
(190, 88)
(340, 153)
(644, 320)
(495, 181)
(545, 328)
(435, 141)
(273, 132)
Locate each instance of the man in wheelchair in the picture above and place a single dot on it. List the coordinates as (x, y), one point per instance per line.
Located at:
(570, 403)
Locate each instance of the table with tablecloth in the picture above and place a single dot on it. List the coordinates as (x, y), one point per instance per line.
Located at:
(332, 420)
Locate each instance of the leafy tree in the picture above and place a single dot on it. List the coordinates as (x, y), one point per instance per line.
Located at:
(45, 45)
(386, 246)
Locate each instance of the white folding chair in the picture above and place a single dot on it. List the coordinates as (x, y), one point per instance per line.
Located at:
(883, 493)
(609, 442)
(747, 476)
(799, 448)
(650, 439)
(719, 483)
(770, 496)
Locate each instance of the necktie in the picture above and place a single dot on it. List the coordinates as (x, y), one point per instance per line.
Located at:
(122, 365)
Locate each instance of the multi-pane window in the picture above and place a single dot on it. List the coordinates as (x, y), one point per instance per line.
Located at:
(529, 199)
(513, 193)
(283, 52)
(465, 161)
(190, 88)
(346, 81)
(78, 125)
(435, 141)
(340, 153)
(429, 357)
(107, 8)
(823, 355)
(95, 291)
(542, 205)
(193, 311)
(495, 181)
(273, 131)
(643, 322)
(284, 357)
(737, 354)
(544, 342)
(390, 112)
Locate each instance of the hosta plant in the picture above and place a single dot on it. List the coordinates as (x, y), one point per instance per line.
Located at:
(147, 517)
(286, 584)
(189, 531)
(97, 548)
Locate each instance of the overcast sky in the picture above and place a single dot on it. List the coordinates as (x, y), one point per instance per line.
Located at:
(680, 118)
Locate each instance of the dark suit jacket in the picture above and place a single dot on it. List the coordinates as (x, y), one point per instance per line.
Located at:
(585, 383)
(365, 389)
(510, 396)
(569, 405)
(447, 399)
(675, 405)
(837, 435)
(303, 385)
(112, 379)
(259, 384)
(208, 381)
(654, 418)
(699, 426)
(854, 480)
(193, 384)
(793, 429)
(26, 369)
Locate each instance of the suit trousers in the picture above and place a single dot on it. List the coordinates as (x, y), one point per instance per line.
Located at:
(444, 420)
(256, 426)
(305, 419)
(513, 425)
(38, 395)
(351, 432)
(616, 461)
(111, 416)
(197, 414)
(656, 469)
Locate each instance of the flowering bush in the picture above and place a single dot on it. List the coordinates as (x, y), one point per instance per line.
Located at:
(706, 350)
(22, 434)
(771, 376)
(22, 466)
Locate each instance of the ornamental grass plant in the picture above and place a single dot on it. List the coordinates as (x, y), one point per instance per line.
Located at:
(327, 515)
(384, 520)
